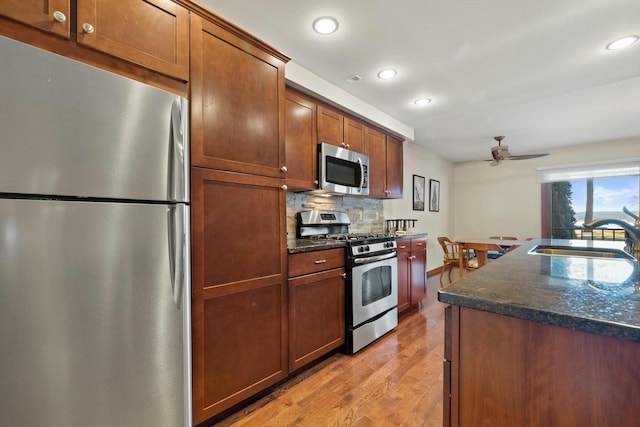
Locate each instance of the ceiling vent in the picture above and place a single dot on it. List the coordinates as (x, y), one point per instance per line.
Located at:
(354, 78)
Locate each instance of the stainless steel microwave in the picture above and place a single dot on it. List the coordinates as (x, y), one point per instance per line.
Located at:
(342, 171)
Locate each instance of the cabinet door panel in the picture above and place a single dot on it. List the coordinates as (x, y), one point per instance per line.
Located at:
(238, 288)
(376, 149)
(237, 92)
(354, 135)
(242, 344)
(151, 33)
(330, 126)
(418, 276)
(404, 281)
(39, 14)
(301, 151)
(394, 168)
(316, 316)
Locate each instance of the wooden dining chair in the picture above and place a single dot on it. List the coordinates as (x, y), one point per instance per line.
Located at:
(453, 256)
(479, 254)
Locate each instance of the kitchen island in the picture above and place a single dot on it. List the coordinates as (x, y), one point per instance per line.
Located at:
(544, 340)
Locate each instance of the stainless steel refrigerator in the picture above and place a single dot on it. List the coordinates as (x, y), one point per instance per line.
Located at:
(94, 247)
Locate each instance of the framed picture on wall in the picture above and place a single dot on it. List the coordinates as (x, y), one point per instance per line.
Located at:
(434, 195)
(418, 193)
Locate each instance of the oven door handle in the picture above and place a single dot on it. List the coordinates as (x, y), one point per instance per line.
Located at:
(369, 260)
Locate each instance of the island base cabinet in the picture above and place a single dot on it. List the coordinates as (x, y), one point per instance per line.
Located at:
(511, 371)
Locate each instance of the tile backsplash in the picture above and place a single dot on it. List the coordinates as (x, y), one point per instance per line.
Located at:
(366, 214)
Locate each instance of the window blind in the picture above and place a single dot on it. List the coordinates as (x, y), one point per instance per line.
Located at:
(627, 167)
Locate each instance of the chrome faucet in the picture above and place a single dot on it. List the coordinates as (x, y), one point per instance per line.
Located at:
(632, 241)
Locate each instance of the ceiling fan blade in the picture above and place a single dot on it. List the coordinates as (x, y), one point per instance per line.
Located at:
(526, 156)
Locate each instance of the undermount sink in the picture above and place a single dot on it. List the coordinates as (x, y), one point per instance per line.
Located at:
(572, 251)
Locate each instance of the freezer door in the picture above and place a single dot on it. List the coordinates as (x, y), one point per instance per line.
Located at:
(70, 129)
(92, 333)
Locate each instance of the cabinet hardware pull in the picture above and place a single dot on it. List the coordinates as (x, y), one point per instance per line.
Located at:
(87, 28)
(344, 275)
(315, 182)
(59, 16)
(284, 187)
(412, 257)
(419, 244)
(284, 169)
(402, 247)
(348, 146)
(320, 261)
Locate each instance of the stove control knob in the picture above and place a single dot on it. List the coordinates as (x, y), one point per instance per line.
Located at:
(367, 248)
(361, 249)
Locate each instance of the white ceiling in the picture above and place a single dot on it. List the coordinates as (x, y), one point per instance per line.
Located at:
(534, 70)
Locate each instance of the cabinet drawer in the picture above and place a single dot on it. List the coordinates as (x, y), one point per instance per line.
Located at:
(418, 244)
(311, 262)
(403, 245)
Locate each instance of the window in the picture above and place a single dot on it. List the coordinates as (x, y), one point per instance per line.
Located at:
(576, 194)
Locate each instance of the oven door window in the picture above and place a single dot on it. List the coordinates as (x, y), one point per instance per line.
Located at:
(376, 284)
(373, 290)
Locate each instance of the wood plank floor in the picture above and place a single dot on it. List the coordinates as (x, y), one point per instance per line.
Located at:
(396, 381)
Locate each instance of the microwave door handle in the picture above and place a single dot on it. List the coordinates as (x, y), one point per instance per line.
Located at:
(361, 174)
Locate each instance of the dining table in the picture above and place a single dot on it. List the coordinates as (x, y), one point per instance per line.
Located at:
(482, 245)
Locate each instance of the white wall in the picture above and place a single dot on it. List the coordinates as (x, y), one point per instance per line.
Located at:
(505, 200)
(420, 161)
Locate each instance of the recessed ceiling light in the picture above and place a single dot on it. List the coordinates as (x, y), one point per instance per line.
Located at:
(422, 101)
(387, 74)
(623, 42)
(325, 25)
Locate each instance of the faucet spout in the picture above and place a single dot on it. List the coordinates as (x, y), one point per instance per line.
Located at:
(632, 232)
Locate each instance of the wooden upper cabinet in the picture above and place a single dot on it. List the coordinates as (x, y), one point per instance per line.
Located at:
(151, 33)
(376, 150)
(52, 16)
(385, 164)
(354, 135)
(394, 168)
(330, 126)
(336, 129)
(237, 103)
(301, 152)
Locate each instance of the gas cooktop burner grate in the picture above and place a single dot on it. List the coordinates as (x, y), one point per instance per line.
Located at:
(349, 237)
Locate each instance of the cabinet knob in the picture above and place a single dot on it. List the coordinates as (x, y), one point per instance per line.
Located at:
(315, 182)
(87, 28)
(344, 275)
(284, 187)
(284, 169)
(348, 146)
(342, 144)
(59, 16)
(412, 257)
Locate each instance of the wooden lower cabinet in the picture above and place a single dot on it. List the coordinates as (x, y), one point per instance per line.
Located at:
(239, 294)
(316, 305)
(507, 371)
(412, 272)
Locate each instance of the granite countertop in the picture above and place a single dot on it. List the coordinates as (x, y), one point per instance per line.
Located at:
(596, 295)
(297, 246)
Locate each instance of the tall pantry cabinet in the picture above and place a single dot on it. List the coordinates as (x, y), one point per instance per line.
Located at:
(239, 301)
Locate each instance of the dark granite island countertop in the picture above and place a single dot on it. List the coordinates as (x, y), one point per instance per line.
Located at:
(596, 295)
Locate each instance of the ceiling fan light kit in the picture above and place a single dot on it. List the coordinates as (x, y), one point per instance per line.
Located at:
(501, 152)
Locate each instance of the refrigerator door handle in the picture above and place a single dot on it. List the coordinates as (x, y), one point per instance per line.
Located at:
(179, 173)
(178, 250)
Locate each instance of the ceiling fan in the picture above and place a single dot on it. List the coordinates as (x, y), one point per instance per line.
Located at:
(501, 152)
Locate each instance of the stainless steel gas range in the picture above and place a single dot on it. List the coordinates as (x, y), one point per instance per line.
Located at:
(372, 275)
